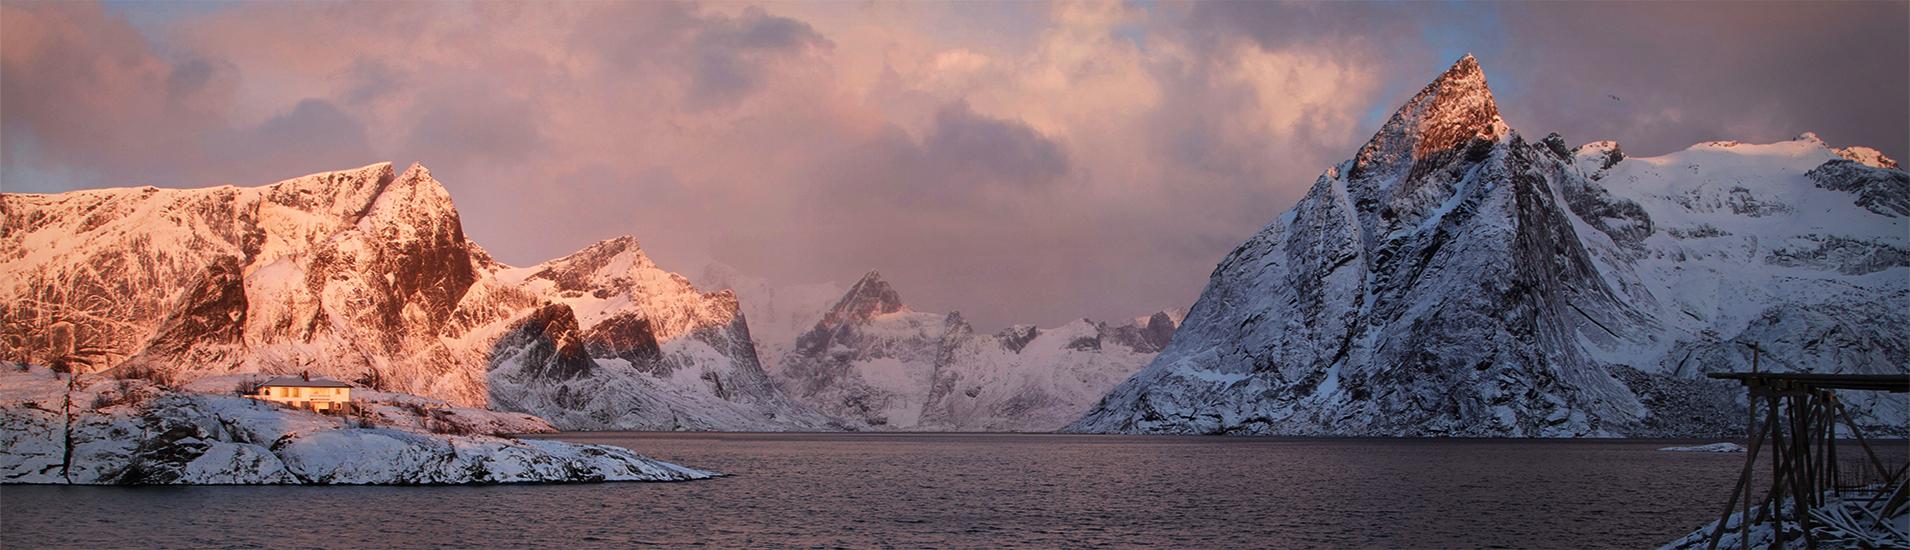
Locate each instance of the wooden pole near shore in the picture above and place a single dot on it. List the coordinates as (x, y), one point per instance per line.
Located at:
(1801, 416)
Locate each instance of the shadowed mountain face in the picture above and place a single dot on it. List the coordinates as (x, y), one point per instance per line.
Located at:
(874, 363)
(366, 275)
(1454, 278)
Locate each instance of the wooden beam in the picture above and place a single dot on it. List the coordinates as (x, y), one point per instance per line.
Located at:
(1743, 487)
(1778, 470)
(1801, 468)
(1859, 434)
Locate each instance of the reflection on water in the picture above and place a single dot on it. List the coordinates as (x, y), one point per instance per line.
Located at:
(910, 490)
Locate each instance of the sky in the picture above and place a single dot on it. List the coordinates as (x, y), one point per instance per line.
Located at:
(1019, 162)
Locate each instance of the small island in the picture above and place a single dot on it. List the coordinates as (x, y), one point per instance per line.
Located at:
(101, 430)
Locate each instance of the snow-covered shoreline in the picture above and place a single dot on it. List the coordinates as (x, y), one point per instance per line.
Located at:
(130, 432)
(1726, 447)
(1841, 521)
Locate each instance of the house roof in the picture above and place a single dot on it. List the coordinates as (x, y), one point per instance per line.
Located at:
(296, 382)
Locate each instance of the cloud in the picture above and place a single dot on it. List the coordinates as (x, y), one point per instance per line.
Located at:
(714, 60)
(1019, 162)
(313, 136)
(1685, 72)
(981, 150)
(733, 55)
(84, 93)
(475, 126)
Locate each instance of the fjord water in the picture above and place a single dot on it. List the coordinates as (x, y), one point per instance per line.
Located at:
(942, 490)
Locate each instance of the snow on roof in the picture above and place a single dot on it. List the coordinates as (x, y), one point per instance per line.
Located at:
(296, 382)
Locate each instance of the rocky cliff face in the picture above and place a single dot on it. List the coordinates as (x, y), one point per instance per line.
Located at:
(366, 275)
(875, 363)
(1454, 278)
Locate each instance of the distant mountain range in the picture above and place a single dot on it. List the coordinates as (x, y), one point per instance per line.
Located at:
(1455, 279)
(870, 360)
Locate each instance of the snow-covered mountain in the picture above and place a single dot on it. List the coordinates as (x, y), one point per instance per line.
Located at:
(869, 359)
(366, 275)
(1454, 278)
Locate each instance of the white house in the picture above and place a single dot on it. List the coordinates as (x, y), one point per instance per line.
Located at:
(305, 392)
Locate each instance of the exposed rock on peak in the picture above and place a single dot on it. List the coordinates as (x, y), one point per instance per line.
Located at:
(343, 195)
(1454, 109)
(1596, 158)
(548, 344)
(586, 268)
(1868, 157)
(1885, 191)
(1159, 329)
(869, 297)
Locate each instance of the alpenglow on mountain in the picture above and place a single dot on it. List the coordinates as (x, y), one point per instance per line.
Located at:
(1453, 278)
(365, 275)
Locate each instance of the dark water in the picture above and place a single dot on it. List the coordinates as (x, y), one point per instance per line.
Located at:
(904, 490)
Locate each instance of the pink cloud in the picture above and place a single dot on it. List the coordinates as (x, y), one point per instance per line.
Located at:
(1019, 162)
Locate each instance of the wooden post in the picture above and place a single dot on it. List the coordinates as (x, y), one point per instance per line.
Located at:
(1743, 487)
(1859, 434)
(1830, 432)
(1772, 506)
(1801, 469)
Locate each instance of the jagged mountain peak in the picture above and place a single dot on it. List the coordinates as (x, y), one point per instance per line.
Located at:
(1455, 108)
(598, 254)
(341, 194)
(608, 257)
(614, 245)
(1867, 157)
(416, 170)
(343, 182)
(413, 190)
(1598, 157)
(869, 297)
(384, 170)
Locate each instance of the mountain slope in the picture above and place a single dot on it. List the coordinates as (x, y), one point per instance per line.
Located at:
(778, 314)
(871, 360)
(1455, 279)
(366, 275)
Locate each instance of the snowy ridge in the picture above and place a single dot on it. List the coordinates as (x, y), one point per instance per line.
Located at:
(873, 362)
(365, 275)
(1456, 279)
